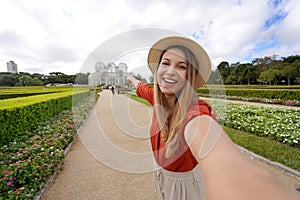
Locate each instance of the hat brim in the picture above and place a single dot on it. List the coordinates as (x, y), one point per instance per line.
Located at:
(204, 68)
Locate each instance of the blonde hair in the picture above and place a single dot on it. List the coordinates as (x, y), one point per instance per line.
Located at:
(170, 132)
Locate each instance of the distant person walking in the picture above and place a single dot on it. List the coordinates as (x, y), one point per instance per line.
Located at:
(113, 90)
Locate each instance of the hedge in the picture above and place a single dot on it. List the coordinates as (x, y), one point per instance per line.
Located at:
(15, 95)
(269, 94)
(19, 115)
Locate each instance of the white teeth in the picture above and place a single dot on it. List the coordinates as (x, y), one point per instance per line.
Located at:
(169, 80)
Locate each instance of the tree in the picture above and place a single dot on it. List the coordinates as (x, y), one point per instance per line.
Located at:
(291, 59)
(82, 79)
(290, 72)
(8, 79)
(224, 69)
(237, 73)
(268, 76)
(26, 80)
(140, 78)
(248, 73)
(59, 77)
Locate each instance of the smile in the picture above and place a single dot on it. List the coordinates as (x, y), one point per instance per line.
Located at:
(169, 81)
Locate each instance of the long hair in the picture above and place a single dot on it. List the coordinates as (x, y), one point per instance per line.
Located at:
(171, 128)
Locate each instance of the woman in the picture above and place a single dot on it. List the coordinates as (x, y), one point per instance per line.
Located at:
(195, 158)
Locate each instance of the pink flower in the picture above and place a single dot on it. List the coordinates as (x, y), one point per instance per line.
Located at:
(7, 172)
(9, 183)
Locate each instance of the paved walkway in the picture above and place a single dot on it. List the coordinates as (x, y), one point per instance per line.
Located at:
(112, 159)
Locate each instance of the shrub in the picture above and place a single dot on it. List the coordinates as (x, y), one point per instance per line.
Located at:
(21, 114)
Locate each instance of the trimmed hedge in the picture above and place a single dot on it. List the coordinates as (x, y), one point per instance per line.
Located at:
(19, 115)
(269, 94)
(14, 92)
(15, 95)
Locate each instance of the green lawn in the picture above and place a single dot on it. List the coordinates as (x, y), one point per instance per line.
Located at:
(270, 149)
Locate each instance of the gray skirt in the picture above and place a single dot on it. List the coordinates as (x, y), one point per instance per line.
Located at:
(179, 185)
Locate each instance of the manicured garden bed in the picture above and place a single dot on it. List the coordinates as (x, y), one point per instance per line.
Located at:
(284, 95)
(27, 162)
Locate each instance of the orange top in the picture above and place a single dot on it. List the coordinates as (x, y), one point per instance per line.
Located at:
(183, 159)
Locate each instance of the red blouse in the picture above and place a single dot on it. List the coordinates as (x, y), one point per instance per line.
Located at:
(183, 159)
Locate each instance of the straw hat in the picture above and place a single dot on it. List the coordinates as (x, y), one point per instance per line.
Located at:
(204, 68)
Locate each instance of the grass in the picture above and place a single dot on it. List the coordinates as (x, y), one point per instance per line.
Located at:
(133, 96)
(270, 149)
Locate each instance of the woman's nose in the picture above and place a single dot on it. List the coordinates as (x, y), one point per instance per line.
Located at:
(170, 70)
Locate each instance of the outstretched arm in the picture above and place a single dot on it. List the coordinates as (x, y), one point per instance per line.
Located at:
(132, 80)
(228, 174)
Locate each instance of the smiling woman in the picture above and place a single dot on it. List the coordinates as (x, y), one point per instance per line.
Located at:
(172, 72)
(192, 152)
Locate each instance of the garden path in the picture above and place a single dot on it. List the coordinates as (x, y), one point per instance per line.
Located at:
(113, 143)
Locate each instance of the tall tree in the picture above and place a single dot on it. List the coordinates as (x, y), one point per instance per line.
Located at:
(290, 72)
(224, 69)
(249, 74)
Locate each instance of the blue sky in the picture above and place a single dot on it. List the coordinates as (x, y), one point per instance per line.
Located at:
(59, 35)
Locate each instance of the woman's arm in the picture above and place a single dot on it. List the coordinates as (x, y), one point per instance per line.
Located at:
(227, 173)
(142, 90)
(132, 80)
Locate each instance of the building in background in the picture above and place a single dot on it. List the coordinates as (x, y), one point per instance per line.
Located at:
(110, 74)
(12, 67)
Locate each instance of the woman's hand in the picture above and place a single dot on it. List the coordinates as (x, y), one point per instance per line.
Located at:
(228, 174)
(132, 80)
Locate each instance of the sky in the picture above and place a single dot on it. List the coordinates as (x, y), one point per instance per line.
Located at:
(60, 35)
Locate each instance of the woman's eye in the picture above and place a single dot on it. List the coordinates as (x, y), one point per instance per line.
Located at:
(182, 67)
(164, 64)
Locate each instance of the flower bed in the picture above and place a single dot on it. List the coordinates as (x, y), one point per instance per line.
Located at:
(255, 99)
(27, 162)
(282, 125)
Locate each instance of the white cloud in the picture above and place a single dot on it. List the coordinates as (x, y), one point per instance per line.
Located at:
(58, 35)
(289, 29)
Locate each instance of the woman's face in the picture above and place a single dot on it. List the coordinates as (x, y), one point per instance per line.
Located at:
(172, 72)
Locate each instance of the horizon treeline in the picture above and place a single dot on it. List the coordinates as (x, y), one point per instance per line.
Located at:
(36, 79)
(263, 71)
(269, 70)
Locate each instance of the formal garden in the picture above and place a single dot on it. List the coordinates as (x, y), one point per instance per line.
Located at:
(36, 129)
(35, 132)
